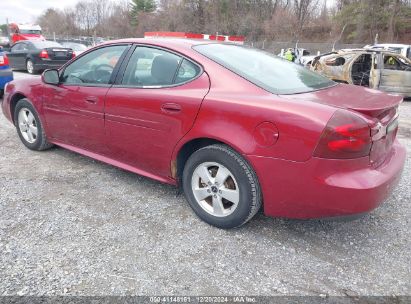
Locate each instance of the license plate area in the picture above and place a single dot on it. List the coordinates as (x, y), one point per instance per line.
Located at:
(392, 126)
(381, 147)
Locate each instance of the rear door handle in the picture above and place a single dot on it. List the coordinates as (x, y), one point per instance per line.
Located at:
(171, 108)
(92, 99)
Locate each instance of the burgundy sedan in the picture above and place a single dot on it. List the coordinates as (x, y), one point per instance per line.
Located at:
(236, 128)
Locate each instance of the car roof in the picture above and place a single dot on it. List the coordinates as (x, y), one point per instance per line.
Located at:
(390, 45)
(367, 51)
(176, 43)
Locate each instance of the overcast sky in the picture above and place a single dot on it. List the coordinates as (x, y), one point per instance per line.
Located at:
(23, 11)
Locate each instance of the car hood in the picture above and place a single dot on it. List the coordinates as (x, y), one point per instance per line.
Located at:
(367, 101)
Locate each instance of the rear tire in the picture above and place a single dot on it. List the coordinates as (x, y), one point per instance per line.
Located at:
(221, 187)
(29, 126)
(30, 67)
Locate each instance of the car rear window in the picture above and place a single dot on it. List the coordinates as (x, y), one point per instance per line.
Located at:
(45, 44)
(265, 70)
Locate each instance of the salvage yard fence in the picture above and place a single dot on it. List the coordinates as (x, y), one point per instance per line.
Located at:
(313, 47)
(270, 46)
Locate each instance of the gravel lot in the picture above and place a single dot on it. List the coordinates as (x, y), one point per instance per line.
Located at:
(71, 225)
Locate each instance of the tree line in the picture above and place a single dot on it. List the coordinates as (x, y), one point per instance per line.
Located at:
(354, 21)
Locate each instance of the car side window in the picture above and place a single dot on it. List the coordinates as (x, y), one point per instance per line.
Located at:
(187, 71)
(93, 68)
(397, 63)
(336, 61)
(23, 47)
(151, 67)
(16, 47)
(30, 46)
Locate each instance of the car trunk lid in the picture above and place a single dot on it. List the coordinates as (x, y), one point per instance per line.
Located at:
(380, 110)
(370, 102)
(56, 53)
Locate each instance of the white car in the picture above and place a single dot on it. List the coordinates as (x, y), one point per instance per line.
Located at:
(4, 41)
(403, 49)
(302, 56)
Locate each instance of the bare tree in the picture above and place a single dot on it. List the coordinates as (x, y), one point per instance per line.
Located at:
(287, 20)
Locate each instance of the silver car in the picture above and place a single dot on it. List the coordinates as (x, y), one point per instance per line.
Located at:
(380, 69)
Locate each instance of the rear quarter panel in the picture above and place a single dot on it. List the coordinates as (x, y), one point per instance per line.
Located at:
(234, 108)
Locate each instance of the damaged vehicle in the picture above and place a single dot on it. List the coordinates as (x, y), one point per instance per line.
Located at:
(379, 69)
(235, 128)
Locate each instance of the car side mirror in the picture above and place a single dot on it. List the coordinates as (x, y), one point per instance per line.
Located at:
(51, 77)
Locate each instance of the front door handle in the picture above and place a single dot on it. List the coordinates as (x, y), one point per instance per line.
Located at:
(92, 99)
(171, 108)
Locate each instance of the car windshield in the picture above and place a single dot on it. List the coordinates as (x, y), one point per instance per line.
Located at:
(35, 32)
(75, 46)
(45, 44)
(265, 70)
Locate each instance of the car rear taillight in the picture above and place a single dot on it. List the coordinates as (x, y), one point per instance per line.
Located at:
(4, 60)
(44, 54)
(73, 55)
(345, 136)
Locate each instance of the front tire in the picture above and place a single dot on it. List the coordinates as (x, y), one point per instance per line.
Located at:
(221, 187)
(29, 126)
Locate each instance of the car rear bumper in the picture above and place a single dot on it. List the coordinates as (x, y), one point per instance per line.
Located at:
(6, 75)
(327, 188)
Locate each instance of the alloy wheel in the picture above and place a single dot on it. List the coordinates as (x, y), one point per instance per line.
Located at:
(215, 189)
(30, 67)
(27, 125)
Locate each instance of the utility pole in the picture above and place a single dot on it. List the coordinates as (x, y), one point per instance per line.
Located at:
(7, 28)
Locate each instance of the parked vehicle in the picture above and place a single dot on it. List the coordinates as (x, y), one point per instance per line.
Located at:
(6, 74)
(377, 69)
(25, 32)
(35, 56)
(233, 126)
(403, 49)
(306, 61)
(4, 41)
(302, 56)
(78, 48)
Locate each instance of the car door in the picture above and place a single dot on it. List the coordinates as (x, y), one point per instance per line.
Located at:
(375, 74)
(395, 74)
(74, 109)
(152, 107)
(15, 56)
(22, 56)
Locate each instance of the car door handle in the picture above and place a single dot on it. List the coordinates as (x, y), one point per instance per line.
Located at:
(171, 108)
(92, 99)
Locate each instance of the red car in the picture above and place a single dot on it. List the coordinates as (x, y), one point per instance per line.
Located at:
(236, 128)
